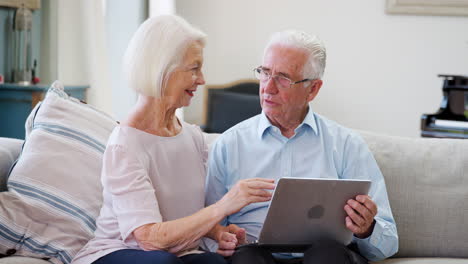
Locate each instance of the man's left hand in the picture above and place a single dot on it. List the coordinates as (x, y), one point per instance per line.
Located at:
(361, 213)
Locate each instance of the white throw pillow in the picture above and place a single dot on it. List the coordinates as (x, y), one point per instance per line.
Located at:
(54, 190)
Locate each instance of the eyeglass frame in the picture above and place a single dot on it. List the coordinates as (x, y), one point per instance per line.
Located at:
(260, 68)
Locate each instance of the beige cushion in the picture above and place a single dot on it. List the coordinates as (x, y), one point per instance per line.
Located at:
(427, 183)
(22, 260)
(423, 261)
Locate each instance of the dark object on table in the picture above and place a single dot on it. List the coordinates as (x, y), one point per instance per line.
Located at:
(451, 121)
(35, 79)
(227, 105)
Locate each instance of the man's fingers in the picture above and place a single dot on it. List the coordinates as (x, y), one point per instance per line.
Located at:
(351, 226)
(367, 202)
(240, 235)
(361, 210)
(357, 219)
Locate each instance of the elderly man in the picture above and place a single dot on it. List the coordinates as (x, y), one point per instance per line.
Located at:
(289, 140)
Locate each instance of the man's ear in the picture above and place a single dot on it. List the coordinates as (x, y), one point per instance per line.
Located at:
(314, 88)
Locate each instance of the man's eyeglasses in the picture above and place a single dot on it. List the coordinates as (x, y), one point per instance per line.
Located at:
(282, 81)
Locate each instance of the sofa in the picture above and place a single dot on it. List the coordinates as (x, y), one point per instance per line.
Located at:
(222, 103)
(427, 183)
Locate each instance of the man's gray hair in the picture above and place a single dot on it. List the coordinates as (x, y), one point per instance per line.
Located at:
(312, 45)
(156, 49)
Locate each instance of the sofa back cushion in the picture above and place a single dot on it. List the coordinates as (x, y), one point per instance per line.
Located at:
(427, 183)
(54, 190)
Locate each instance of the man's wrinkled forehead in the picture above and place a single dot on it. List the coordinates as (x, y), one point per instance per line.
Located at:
(284, 60)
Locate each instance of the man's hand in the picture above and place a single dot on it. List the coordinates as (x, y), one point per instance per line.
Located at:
(229, 238)
(361, 213)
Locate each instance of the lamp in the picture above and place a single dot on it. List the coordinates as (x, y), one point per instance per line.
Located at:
(22, 37)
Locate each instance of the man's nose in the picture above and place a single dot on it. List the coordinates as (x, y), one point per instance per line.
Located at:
(270, 86)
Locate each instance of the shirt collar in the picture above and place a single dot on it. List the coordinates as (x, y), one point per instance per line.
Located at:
(309, 120)
(263, 124)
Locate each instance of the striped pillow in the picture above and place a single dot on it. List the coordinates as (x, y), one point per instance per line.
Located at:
(54, 190)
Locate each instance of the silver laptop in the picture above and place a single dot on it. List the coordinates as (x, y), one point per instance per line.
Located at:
(304, 210)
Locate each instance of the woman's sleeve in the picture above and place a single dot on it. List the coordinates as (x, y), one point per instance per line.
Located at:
(133, 197)
(204, 149)
(200, 140)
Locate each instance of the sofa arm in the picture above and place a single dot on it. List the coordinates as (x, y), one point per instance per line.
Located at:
(9, 151)
(22, 260)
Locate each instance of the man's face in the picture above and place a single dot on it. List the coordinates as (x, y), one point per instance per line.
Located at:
(285, 102)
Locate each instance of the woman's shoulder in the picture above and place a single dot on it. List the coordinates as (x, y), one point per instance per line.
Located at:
(191, 127)
(196, 133)
(130, 138)
(194, 130)
(123, 137)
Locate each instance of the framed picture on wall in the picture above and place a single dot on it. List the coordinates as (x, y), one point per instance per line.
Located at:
(428, 7)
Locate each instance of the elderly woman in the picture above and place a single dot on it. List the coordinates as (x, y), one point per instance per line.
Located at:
(153, 173)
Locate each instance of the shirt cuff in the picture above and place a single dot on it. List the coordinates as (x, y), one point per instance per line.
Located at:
(374, 247)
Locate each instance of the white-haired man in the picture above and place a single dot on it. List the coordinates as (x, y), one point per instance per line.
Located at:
(289, 140)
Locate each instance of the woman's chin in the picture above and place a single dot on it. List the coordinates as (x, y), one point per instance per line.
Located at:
(185, 103)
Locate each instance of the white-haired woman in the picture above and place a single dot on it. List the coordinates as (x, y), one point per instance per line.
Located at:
(154, 165)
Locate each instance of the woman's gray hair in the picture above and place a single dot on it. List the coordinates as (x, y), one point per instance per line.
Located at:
(156, 49)
(312, 45)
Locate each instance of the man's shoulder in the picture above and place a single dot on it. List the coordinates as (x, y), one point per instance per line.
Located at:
(248, 125)
(331, 128)
(244, 131)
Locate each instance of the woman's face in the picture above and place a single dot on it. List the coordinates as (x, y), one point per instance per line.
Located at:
(183, 82)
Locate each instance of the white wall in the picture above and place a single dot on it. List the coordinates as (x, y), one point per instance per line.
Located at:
(381, 71)
(122, 20)
(48, 59)
(72, 48)
(83, 44)
(71, 63)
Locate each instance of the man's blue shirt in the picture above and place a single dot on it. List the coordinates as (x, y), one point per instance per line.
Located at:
(320, 148)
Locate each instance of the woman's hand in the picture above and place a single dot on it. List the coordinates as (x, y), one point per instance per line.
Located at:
(245, 192)
(229, 238)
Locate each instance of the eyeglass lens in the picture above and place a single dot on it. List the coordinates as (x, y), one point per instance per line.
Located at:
(265, 76)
